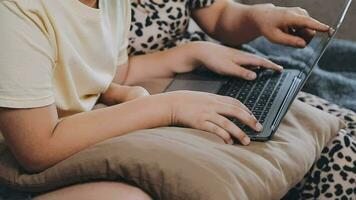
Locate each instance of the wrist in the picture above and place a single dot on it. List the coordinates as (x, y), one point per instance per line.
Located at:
(255, 15)
(198, 51)
(187, 55)
(162, 106)
(250, 16)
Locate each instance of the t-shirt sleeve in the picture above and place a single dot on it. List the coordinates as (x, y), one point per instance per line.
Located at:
(196, 4)
(123, 52)
(26, 62)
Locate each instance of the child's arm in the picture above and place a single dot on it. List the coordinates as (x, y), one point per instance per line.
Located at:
(38, 139)
(234, 23)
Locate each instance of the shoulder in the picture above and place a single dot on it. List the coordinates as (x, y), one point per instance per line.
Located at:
(26, 58)
(23, 22)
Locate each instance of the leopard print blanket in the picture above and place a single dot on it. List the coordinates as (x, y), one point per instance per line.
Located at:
(333, 176)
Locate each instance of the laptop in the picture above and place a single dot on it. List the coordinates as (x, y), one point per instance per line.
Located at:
(269, 96)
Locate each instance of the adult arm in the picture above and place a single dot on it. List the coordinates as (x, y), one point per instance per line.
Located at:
(235, 23)
(185, 58)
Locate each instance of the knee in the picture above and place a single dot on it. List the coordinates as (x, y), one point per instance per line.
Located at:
(97, 190)
(129, 192)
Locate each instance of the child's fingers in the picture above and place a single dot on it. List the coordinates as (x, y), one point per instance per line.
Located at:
(217, 130)
(134, 92)
(230, 128)
(240, 114)
(232, 101)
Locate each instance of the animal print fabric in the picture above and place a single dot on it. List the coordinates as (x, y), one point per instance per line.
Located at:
(333, 176)
(162, 24)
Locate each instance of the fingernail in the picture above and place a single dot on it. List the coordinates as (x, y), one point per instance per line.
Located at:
(252, 76)
(259, 127)
(246, 140)
(331, 32)
(281, 67)
(230, 142)
(301, 43)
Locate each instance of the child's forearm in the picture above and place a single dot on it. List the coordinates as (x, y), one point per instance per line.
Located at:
(85, 129)
(39, 140)
(160, 64)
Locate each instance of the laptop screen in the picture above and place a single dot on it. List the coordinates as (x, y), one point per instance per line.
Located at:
(321, 41)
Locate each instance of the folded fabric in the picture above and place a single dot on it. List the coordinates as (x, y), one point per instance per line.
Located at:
(181, 163)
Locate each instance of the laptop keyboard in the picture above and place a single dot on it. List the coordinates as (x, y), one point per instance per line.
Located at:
(257, 95)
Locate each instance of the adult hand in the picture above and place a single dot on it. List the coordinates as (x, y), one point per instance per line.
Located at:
(229, 61)
(288, 26)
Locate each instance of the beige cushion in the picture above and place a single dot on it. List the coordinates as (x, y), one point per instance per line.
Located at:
(180, 163)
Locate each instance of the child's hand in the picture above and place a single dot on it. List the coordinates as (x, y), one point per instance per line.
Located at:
(228, 61)
(116, 94)
(133, 92)
(289, 26)
(207, 112)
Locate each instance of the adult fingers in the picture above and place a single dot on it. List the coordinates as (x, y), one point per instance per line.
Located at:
(244, 58)
(237, 71)
(306, 22)
(287, 39)
(305, 33)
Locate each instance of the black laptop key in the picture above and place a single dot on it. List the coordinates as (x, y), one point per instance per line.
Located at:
(261, 102)
(258, 108)
(257, 113)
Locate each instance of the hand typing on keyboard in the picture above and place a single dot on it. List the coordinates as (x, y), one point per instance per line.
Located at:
(257, 95)
(209, 112)
(228, 61)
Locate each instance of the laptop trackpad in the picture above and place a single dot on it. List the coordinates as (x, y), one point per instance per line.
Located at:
(211, 86)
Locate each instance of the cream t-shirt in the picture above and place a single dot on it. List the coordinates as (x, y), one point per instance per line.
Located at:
(60, 52)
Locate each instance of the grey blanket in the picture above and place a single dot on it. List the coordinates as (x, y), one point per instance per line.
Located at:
(334, 79)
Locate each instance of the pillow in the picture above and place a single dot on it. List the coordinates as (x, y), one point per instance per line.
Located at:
(181, 163)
